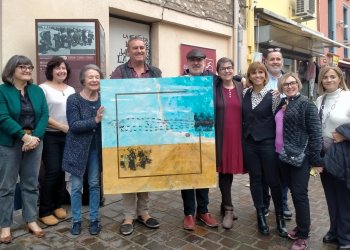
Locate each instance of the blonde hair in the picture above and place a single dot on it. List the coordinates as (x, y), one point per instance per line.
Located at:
(324, 70)
(254, 67)
(283, 79)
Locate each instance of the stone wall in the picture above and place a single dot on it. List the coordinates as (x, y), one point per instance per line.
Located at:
(215, 10)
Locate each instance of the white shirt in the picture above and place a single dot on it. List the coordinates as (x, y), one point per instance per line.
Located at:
(273, 82)
(336, 111)
(56, 101)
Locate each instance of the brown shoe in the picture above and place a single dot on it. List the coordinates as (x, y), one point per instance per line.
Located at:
(60, 213)
(35, 230)
(6, 239)
(49, 220)
(189, 222)
(208, 219)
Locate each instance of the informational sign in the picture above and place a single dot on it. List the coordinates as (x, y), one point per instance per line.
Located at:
(158, 134)
(79, 42)
(120, 31)
(210, 60)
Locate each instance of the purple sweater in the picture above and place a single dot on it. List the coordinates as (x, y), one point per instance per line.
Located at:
(279, 130)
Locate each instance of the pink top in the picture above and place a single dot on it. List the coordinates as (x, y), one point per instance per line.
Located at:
(279, 130)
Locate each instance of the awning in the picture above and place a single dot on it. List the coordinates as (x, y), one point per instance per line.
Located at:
(275, 30)
(344, 64)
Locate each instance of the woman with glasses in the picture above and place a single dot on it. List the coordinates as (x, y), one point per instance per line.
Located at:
(82, 152)
(298, 143)
(228, 134)
(52, 184)
(334, 110)
(258, 107)
(23, 120)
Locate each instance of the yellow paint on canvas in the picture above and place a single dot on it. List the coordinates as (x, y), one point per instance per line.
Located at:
(176, 166)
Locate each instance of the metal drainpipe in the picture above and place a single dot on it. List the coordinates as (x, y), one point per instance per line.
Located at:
(236, 36)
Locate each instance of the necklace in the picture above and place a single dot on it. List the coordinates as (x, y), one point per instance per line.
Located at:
(326, 117)
(61, 87)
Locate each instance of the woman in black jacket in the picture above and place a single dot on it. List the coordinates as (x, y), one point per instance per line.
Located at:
(301, 129)
(258, 107)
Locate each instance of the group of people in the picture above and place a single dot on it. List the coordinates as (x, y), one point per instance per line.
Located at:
(49, 123)
(264, 127)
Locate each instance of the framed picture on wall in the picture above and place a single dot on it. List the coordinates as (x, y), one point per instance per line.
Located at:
(210, 60)
(77, 40)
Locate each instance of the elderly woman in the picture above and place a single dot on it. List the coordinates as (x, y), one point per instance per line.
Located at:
(82, 150)
(23, 119)
(334, 107)
(300, 148)
(259, 105)
(52, 184)
(228, 135)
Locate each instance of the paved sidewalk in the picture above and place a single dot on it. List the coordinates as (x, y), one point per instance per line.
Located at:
(167, 207)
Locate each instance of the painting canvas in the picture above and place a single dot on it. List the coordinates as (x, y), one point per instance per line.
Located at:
(158, 134)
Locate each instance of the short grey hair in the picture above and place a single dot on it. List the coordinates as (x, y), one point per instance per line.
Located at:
(86, 68)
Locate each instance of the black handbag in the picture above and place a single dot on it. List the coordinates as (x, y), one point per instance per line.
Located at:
(293, 160)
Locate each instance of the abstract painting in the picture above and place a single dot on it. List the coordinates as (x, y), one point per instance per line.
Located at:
(158, 134)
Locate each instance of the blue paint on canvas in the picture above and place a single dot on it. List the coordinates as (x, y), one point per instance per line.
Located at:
(157, 111)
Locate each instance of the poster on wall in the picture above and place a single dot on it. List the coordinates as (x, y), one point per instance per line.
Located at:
(158, 134)
(120, 31)
(210, 60)
(78, 41)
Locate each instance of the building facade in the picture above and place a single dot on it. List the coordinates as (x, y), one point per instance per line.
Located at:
(293, 26)
(334, 22)
(168, 25)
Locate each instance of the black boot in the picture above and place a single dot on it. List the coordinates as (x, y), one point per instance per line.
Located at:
(262, 224)
(281, 225)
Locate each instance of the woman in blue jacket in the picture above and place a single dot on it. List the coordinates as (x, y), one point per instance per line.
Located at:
(23, 120)
(82, 150)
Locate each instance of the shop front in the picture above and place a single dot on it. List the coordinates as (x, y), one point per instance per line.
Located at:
(301, 46)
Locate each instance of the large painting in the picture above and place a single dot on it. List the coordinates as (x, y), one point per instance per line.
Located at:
(158, 134)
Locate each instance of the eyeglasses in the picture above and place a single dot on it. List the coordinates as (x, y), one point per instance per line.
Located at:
(287, 84)
(229, 68)
(274, 49)
(25, 67)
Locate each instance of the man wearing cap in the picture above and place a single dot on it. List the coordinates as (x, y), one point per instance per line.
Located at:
(138, 203)
(195, 64)
(274, 65)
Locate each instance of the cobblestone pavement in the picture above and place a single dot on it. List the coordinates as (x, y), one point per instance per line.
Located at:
(167, 207)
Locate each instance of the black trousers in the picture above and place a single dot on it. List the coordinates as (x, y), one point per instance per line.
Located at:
(297, 179)
(189, 197)
(225, 184)
(338, 201)
(52, 183)
(267, 196)
(261, 162)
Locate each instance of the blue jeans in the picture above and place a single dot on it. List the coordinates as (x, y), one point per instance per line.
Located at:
(93, 168)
